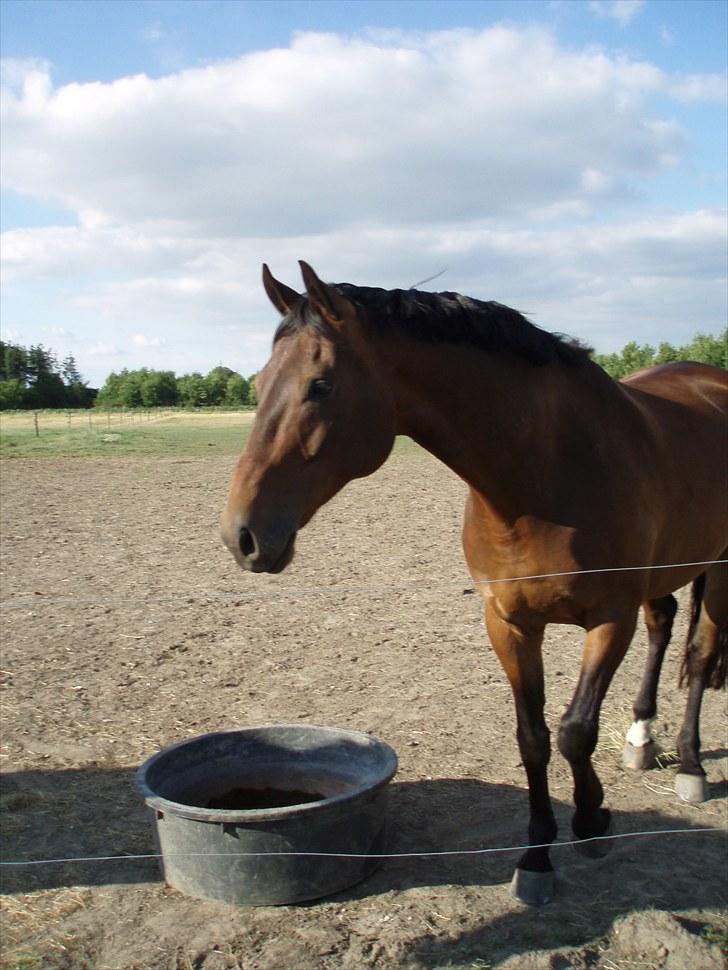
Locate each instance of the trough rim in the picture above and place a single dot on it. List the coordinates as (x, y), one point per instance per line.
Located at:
(242, 816)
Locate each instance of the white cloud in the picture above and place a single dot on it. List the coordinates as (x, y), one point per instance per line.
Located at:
(455, 124)
(17, 71)
(508, 159)
(165, 45)
(103, 349)
(623, 11)
(153, 33)
(142, 340)
(60, 251)
(699, 88)
(583, 279)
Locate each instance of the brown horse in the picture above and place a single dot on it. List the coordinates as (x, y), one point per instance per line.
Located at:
(581, 491)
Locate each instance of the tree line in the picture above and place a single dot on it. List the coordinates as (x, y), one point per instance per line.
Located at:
(704, 348)
(34, 378)
(221, 387)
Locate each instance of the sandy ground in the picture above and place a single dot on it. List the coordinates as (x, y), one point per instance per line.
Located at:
(127, 627)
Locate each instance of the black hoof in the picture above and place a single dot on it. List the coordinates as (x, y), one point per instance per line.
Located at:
(532, 888)
(598, 846)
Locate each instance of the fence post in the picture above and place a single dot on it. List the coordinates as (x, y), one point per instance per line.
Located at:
(35, 422)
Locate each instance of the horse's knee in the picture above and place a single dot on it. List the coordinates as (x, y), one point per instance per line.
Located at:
(534, 743)
(665, 613)
(577, 739)
(705, 661)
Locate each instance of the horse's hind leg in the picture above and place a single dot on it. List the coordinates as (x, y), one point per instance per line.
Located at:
(606, 644)
(705, 665)
(640, 747)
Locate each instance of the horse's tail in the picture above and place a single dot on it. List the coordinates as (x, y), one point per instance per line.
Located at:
(718, 673)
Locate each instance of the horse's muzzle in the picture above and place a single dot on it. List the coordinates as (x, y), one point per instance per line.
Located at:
(255, 554)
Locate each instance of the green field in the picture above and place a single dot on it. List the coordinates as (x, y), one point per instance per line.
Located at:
(94, 434)
(154, 433)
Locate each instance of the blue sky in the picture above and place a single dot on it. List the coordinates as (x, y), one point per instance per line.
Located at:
(568, 158)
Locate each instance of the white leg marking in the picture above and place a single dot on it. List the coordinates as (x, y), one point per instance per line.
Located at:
(639, 734)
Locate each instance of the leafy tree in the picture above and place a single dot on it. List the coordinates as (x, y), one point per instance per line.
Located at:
(611, 363)
(13, 362)
(236, 391)
(158, 389)
(32, 378)
(79, 395)
(708, 349)
(216, 382)
(192, 390)
(141, 388)
(703, 348)
(252, 391)
(47, 391)
(41, 362)
(666, 354)
(130, 388)
(636, 357)
(109, 395)
(69, 372)
(12, 394)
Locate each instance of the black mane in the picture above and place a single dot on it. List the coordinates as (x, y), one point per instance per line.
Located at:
(444, 318)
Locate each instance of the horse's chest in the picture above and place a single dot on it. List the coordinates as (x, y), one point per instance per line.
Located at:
(532, 603)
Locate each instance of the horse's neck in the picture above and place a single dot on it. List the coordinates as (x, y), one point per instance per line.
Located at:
(501, 423)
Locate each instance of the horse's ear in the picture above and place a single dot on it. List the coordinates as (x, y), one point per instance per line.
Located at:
(281, 296)
(328, 300)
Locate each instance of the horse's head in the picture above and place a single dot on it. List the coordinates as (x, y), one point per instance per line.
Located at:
(325, 416)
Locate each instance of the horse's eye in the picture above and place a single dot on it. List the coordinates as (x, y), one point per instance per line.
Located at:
(319, 389)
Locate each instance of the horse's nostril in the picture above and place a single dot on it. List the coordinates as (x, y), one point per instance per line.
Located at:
(247, 543)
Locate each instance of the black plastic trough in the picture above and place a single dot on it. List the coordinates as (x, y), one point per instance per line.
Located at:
(225, 804)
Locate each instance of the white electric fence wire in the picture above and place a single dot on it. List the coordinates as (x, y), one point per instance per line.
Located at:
(367, 855)
(244, 597)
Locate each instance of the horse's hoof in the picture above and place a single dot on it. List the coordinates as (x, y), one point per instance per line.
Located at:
(691, 788)
(532, 888)
(640, 759)
(597, 846)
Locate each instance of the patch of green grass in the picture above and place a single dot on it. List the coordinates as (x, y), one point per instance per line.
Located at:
(24, 960)
(121, 440)
(191, 435)
(716, 936)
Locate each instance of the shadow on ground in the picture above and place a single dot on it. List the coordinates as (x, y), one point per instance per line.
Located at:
(671, 872)
(71, 813)
(97, 812)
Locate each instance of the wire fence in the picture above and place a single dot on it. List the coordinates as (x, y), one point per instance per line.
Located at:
(239, 597)
(427, 854)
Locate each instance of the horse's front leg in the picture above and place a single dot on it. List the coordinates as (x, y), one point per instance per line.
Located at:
(606, 644)
(519, 652)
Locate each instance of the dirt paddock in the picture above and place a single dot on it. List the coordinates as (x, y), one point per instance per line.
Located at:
(127, 627)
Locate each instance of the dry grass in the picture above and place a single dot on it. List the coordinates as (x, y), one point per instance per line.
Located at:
(36, 916)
